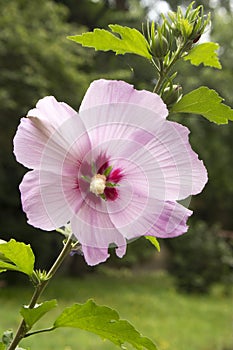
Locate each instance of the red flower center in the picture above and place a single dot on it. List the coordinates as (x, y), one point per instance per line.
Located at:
(114, 177)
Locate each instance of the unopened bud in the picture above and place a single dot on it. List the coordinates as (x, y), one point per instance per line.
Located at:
(171, 95)
(159, 46)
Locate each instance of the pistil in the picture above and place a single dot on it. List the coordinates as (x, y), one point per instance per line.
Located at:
(98, 184)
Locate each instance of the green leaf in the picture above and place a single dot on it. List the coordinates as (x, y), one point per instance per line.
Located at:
(154, 241)
(130, 41)
(2, 346)
(2, 257)
(206, 102)
(105, 322)
(17, 257)
(31, 316)
(204, 53)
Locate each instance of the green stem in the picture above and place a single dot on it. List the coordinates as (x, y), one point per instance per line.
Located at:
(23, 329)
(164, 72)
(40, 331)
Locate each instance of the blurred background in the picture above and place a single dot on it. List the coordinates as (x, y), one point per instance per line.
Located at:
(37, 60)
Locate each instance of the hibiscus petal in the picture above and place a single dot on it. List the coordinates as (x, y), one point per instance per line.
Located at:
(37, 144)
(183, 173)
(66, 148)
(50, 110)
(148, 216)
(172, 221)
(49, 200)
(94, 256)
(119, 122)
(95, 231)
(29, 143)
(103, 92)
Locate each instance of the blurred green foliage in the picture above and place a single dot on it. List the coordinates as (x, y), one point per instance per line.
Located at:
(201, 258)
(36, 60)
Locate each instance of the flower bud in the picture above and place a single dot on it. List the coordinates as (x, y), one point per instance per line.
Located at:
(171, 95)
(188, 26)
(159, 46)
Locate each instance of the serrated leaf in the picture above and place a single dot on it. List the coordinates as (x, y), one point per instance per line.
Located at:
(31, 316)
(2, 257)
(130, 41)
(206, 102)
(154, 241)
(17, 257)
(204, 53)
(104, 322)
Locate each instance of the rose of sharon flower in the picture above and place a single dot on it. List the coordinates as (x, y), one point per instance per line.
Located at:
(114, 171)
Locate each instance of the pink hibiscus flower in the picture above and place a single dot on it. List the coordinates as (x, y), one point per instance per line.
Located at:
(114, 171)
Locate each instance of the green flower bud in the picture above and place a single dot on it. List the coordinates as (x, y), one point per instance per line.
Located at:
(186, 28)
(171, 95)
(190, 25)
(159, 46)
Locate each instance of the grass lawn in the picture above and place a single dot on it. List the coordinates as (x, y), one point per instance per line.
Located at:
(148, 300)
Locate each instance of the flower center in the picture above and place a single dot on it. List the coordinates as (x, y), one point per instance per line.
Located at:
(98, 184)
